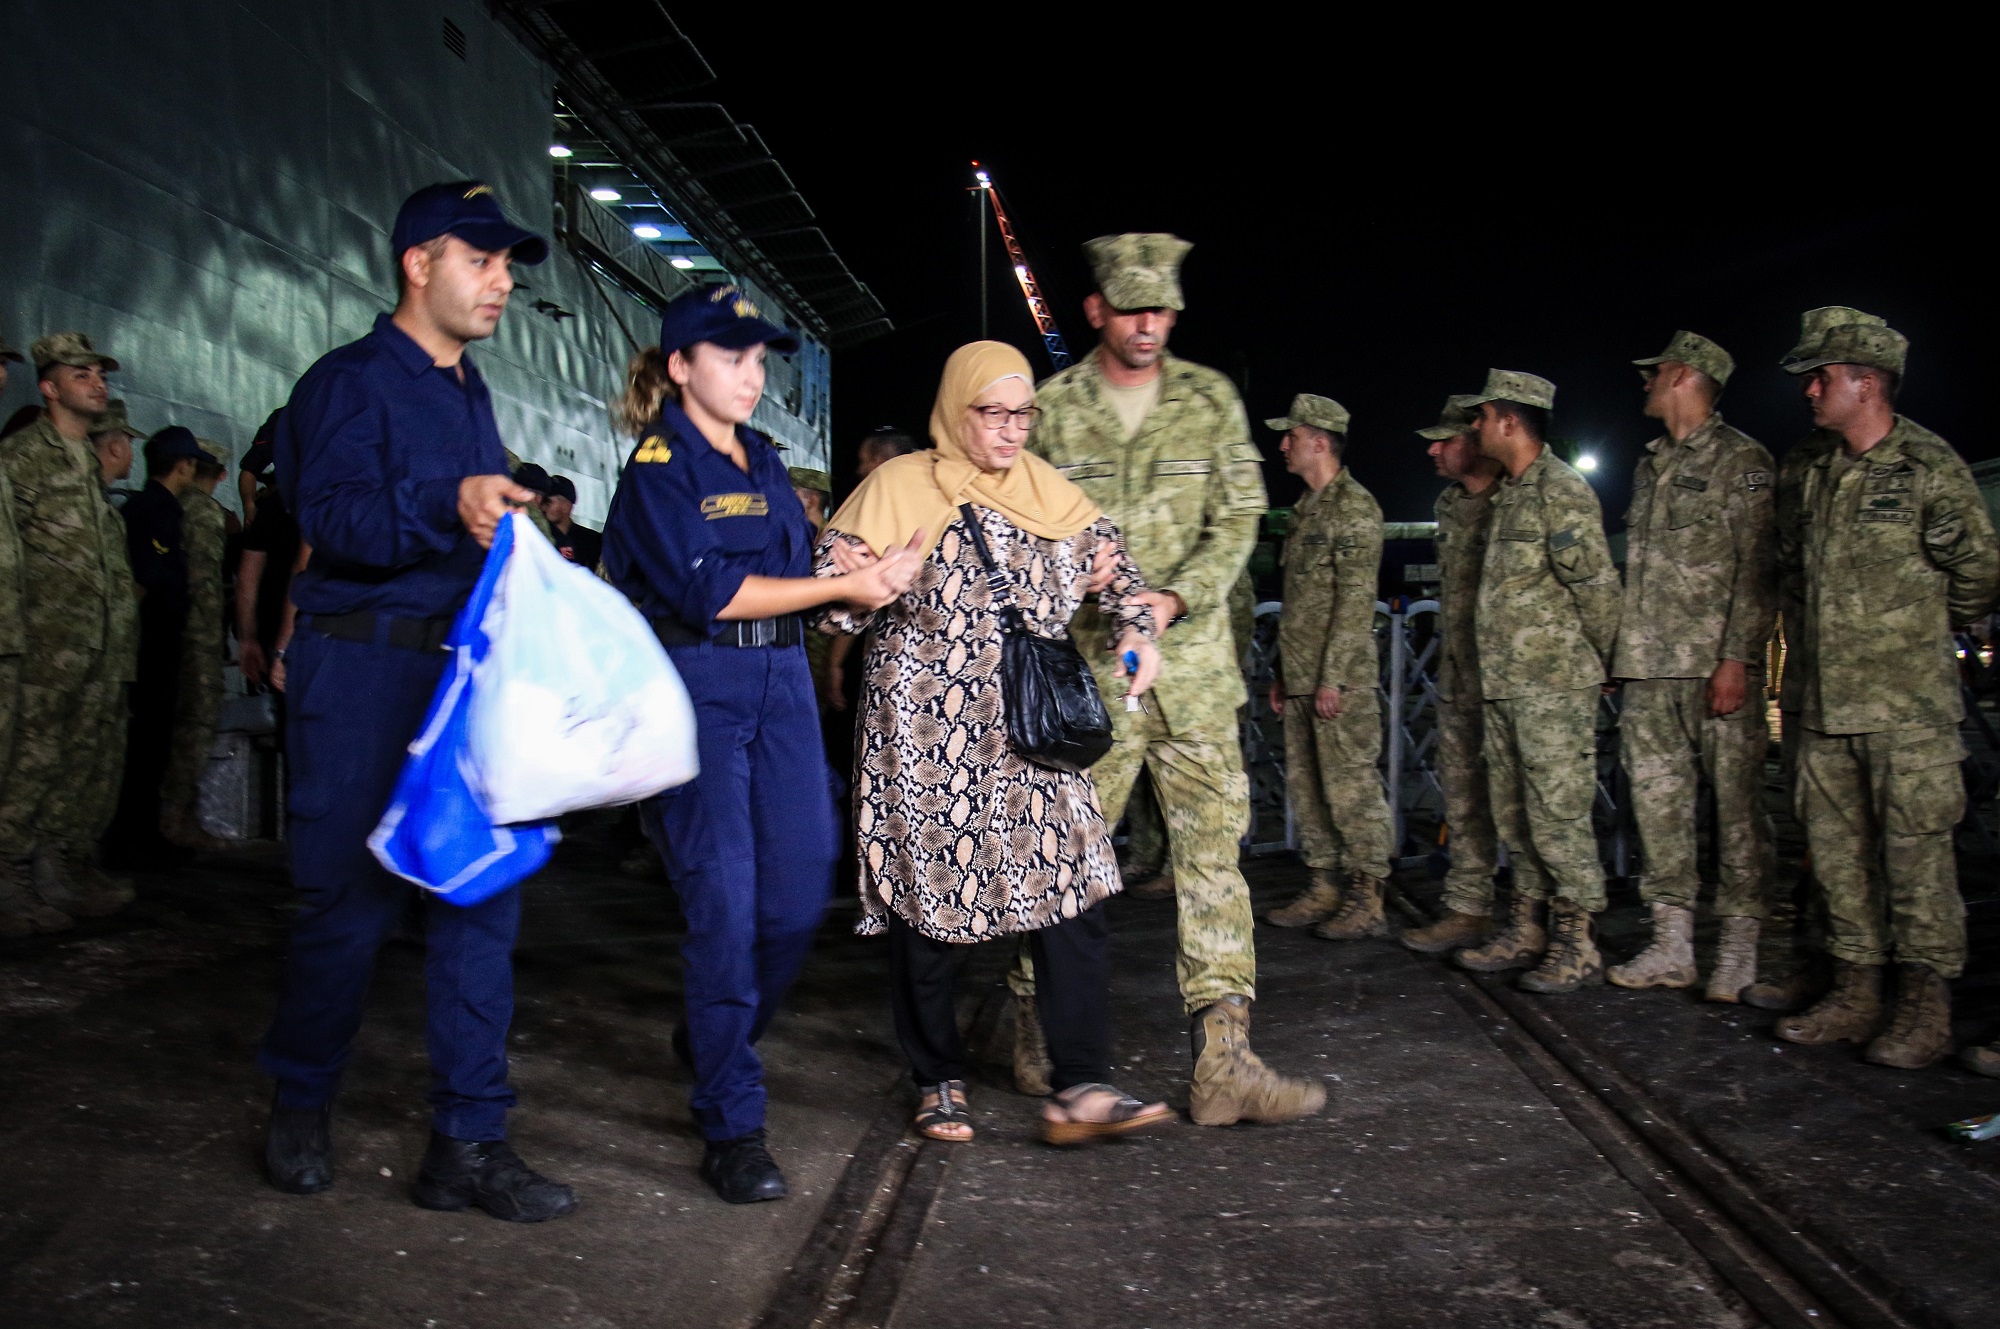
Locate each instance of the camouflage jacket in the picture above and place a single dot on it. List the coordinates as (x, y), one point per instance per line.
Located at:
(1701, 563)
(13, 639)
(1186, 493)
(1333, 556)
(1888, 551)
(61, 517)
(1465, 521)
(205, 531)
(121, 618)
(1791, 598)
(1548, 592)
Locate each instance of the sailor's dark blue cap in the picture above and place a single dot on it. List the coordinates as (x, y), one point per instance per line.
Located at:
(468, 210)
(175, 442)
(723, 315)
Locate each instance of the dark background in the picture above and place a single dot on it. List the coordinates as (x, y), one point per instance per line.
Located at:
(1379, 217)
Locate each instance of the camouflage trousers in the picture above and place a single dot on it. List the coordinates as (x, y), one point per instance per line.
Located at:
(1145, 829)
(1337, 800)
(1541, 761)
(1668, 743)
(1879, 811)
(93, 800)
(1468, 807)
(194, 725)
(53, 731)
(10, 706)
(1205, 798)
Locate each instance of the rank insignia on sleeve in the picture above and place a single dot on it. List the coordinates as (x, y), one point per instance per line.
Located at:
(654, 449)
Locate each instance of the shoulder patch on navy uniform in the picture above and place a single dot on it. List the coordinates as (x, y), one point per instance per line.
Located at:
(735, 505)
(1562, 539)
(654, 449)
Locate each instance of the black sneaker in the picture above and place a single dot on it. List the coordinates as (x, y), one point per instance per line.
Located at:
(490, 1175)
(298, 1149)
(742, 1170)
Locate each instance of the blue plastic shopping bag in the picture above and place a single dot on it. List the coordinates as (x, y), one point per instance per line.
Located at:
(437, 832)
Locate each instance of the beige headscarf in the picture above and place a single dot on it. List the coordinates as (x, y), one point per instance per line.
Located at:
(922, 490)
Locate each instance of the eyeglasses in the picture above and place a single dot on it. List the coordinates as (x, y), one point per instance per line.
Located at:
(997, 417)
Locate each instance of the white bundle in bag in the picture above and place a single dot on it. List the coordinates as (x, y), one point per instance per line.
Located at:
(576, 704)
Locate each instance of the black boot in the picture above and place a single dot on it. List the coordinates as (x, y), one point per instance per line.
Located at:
(742, 1170)
(489, 1174)
(298, 1149)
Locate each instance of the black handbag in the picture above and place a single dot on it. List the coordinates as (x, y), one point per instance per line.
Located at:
(1055, 714)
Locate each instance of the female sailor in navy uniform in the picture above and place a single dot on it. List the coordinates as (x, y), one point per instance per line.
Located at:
(709, 541)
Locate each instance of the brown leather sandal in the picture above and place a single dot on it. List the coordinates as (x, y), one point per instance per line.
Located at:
(1128, 1116)
(936, 1121)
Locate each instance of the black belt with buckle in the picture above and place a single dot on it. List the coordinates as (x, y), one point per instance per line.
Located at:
(784, 630)
(409, 634)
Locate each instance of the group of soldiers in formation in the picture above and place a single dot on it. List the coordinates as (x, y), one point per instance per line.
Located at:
(1870, 544)
(111, 641)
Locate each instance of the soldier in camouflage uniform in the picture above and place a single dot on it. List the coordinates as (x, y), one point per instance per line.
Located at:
(64, 526)
(1890, 548)
(204, 526)
(1701, 590)
(1163, 447)
(1546, 618)
(1325, 682)
(16, 899)
(1464, 523)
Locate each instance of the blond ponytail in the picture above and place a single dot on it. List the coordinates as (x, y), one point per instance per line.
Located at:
(647, 388)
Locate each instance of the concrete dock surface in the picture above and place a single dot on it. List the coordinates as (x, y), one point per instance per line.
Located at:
(1487, 1158)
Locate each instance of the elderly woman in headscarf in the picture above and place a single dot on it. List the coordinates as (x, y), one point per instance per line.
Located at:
(961, 839)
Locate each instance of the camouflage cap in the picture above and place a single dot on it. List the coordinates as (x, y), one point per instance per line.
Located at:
(1515, 386)
(1696, 352)
(216, 452)
(114, 418)
(1319, 412)
(805, 477)
(1139, 271)
(1837, 335)
(1460, 410)
(7, 352)
(68, 348)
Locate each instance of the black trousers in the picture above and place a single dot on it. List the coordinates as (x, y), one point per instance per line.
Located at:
(1072, 995)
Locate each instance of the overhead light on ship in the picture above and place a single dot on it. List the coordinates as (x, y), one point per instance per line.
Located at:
(1586, 461)
(558, 150)
(646, 232)
(681, 263)
(606, 195)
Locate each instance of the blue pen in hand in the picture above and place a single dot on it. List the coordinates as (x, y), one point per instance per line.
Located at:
(1131, 659)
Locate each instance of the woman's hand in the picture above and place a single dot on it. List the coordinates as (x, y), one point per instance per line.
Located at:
(1149, 661)
(884, 580)
(850, 555)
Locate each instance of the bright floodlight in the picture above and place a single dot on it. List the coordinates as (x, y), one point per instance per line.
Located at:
(1586, 462)
(606, 195)
(646, 232)
(981, 177)
(558, 150)
(681, 262)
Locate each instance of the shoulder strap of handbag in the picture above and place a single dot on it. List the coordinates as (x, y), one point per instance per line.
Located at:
(996, 580)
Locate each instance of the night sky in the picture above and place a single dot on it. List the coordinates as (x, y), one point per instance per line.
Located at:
(1379, 221)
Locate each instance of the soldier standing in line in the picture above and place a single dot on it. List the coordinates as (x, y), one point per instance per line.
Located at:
(1163, 447)
(1547, 616)
(1464, 521)
(17, 905)
(203, 646)
(66, 530)
(1325, 682)
(1892, 547)
(1701, 596)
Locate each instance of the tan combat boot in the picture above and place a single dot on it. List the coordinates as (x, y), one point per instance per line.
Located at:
(1572, 960)
(22, 912)
(1919, 1030)
(1315, 904)
(1668, 960)
(1032, 1067)
(1735, 960)
(1454, 931)
(1232, 1083)
(1850, 1012)
(53, 883)
(1360, 912)
(1516, 945)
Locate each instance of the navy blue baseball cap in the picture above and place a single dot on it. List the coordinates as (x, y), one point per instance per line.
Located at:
(468, 210)
(175, 442)
(723, 315)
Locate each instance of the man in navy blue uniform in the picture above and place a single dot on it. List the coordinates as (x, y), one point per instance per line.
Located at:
(390, 462)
